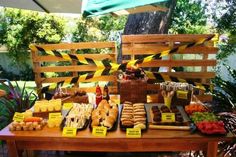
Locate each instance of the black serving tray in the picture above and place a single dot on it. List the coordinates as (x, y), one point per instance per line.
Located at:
(114, 127)
(123, 128)
(78, 129)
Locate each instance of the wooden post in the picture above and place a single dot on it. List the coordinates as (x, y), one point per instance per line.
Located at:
(212, 149)
(74, 73)
(37, 75)
(171, 45)
(11, 147)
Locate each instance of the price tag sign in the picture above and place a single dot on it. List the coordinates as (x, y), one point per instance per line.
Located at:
(18, 117)
(133, 133)
(69, 132)
(182, 94)
(168, 117)
(54, 116)
(67, 106)
(99, 131)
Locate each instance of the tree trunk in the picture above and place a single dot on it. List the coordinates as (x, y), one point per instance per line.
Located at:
(150, 22)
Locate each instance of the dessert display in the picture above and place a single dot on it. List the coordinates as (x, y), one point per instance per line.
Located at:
(77, 97)
(55, 122)
(59, 94)
(78, 117)
(157, 110)
(133, 116)
(106, 114)
(47, 105)
(132, 74)
(133, 79)
(195, 107)
(176, 93)
(29, 124)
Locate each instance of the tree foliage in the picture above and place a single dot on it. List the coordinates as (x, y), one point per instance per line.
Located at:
(189, 18)
(97, 28)
(224, 17)
(20, 28)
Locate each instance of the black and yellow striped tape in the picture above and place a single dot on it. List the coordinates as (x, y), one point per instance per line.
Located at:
(105, 68)
(160, 77)
(81, 59)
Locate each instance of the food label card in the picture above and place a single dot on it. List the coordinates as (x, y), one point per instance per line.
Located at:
(99, 131)
(182, 94)
(69, 132)
(67, 106)
(18, 117)
(54, 116)
(133, 133)
(168, 117)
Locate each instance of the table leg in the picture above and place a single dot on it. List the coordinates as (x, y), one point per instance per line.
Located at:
(12, 150)
(212, 149)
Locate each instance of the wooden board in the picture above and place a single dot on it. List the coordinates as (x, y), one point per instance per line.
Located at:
(46, 64)
(139, 46)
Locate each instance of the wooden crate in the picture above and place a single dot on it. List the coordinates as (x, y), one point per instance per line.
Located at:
(40, 67)
(138, 46)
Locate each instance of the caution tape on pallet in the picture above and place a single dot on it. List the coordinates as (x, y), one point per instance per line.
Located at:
(81, 59)
(161, 77)
(105, 68)
(74, 80)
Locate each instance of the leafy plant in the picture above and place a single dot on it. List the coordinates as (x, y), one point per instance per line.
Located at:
(225, 98)
(225, 92)
(17, 100)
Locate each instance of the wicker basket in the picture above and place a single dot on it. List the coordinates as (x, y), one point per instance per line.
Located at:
(134, 91)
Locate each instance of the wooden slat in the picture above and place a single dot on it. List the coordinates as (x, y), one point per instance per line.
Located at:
(82, 45)
(140, 49)
(177, 63)
(58, 79)
(163, 38)
(191, 75)
(112, 89)
(92, 56)
(66, 68)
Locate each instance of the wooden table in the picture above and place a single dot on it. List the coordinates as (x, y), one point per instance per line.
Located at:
(151, 141)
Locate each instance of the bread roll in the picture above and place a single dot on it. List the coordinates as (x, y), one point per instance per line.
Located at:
(108, 122)
(95, 122)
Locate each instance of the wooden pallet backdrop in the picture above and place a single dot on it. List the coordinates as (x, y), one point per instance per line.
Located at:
(199, 67)
(43, 63)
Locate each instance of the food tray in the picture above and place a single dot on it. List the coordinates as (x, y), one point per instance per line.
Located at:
(123, 128)
(186, 120)
(114, 127)
(44, 115)
(78, 129)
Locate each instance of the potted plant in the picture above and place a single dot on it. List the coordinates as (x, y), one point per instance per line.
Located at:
(16, 100)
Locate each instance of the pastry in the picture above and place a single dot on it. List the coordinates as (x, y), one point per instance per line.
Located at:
(106, 113)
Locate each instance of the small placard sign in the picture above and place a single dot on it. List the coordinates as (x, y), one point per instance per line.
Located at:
(133, 133)
(182, 94)
(18, 117)
(99, 131)
(69, 132)
(67, 106)
(53, 116)
(168, 117)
